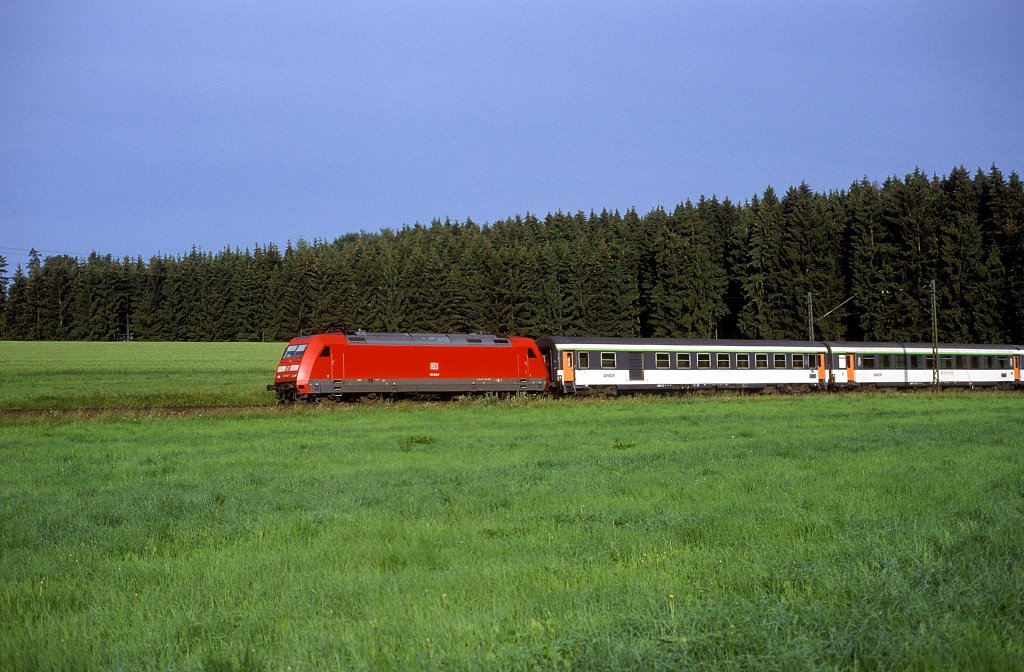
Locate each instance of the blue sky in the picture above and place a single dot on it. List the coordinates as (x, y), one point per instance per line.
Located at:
(149, 127)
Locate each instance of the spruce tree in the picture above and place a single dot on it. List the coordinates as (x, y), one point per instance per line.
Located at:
(909, 213)
(812, 246)
(55, 309)
(762, 314)
(967, 279)
(4, 279)
(1002, 231)
(873, 275)
(17, 324)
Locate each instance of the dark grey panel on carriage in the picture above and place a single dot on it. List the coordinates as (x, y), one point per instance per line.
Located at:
(855, 346)
(636, 365)
(565, 342)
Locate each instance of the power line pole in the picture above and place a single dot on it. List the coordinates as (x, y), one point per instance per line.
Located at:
(810, 317)
(935, 339)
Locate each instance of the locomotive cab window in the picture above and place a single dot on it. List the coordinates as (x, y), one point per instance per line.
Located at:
(661, 360)
(607, 360)
(583, 360)
(293, 351)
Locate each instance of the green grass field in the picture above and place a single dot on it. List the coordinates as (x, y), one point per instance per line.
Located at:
(834, 531)
(60, 375)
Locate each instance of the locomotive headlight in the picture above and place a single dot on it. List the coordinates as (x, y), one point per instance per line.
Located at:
(293, 367)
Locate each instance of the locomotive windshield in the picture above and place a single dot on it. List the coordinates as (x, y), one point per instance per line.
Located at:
(294, 351)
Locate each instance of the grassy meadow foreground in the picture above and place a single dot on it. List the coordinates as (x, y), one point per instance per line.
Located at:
(837, 531)
(723, 532)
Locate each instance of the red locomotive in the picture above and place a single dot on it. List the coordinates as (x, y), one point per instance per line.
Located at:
(348, 366)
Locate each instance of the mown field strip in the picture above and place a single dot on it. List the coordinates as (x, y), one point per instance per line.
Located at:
(833, 531)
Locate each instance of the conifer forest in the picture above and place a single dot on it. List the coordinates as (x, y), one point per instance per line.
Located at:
(710, 269)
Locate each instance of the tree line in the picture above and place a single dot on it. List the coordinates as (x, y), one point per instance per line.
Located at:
(710, 269)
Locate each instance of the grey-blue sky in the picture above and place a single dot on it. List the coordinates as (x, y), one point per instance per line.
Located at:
(144, 127)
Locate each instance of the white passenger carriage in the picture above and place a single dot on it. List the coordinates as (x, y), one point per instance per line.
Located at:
(913, 364)
(634, 364)
(585, 364)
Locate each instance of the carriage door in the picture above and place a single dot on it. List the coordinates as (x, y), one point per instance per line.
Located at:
(840, 371)
(568, 371)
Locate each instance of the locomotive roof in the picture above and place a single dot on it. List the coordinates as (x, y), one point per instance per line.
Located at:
(372, 338)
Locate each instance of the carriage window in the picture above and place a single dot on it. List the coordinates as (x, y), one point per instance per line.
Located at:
(761, 360)
(798, 361)
(779, 360)
(584, 360)
(975, 362)
(899, 361)
(722, 360)
(607, 360)
(661, 360)
(1004, 362)
(742, 360)
(867, 362)
(682, 360)
(703, 360)
(946, 361)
